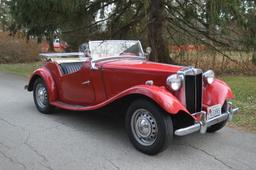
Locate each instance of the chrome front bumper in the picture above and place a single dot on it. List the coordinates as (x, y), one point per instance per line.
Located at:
(203, 124)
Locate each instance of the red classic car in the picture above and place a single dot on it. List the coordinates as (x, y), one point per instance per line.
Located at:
(160, 100)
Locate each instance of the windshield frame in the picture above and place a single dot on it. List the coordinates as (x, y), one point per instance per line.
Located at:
(142, 57)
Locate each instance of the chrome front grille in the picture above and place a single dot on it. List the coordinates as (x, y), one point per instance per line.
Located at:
(192, 89)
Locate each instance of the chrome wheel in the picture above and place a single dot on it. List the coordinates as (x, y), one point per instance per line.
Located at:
(144, 127)
(41, 96)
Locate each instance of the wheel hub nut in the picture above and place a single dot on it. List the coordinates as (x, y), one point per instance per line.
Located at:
(144, 127)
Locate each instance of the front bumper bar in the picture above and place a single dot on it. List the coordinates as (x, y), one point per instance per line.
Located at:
(203, 124)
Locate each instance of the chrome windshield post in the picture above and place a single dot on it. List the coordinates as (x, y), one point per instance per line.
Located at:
(93, 64)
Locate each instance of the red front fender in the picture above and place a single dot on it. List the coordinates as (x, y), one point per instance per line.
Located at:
(217, 93)
(160, 95)
(44, 74)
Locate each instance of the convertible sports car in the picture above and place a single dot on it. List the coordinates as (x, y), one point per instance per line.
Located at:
(160, 100)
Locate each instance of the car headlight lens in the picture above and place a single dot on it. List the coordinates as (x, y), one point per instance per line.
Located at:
(209, 76)
(174, 82)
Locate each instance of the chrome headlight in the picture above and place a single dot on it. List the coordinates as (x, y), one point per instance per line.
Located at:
(173, 82)
(209, 77)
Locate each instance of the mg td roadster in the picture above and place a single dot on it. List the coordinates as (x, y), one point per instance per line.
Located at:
(160, 100)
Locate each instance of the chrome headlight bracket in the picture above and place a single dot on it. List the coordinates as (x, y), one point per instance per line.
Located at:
(209, 77)
(174, 82)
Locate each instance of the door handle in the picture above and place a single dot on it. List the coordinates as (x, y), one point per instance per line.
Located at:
(86, 82)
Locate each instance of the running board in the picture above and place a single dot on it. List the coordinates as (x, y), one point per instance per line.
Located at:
(66, 106)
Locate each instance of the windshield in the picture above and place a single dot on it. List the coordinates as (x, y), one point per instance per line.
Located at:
(115, 48)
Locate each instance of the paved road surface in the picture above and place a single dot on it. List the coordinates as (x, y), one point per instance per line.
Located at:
(97, 140)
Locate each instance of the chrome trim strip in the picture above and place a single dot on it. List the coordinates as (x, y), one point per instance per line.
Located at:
(114, 58)
(203, 124)
(190, 71)
(86, 82)
(51, 55)
(93, 62)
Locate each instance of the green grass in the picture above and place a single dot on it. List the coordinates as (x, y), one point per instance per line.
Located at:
(244, 88)
(20, 69)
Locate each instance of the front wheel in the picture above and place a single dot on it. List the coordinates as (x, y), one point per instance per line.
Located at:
(148, 128)
(40, 95)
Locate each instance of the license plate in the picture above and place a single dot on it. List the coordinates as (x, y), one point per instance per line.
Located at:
(213, 111)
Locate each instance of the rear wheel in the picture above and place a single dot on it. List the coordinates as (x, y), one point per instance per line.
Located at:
(40, 94)
(148, 128)
(218, 126)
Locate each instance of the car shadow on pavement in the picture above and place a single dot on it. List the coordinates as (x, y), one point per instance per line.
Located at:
(103, 118)
(109, 122)
(106, 121)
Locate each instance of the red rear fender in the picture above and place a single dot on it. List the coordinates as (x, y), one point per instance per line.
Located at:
(44, 74)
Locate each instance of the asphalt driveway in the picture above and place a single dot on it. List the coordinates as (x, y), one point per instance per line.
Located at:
(97, 140)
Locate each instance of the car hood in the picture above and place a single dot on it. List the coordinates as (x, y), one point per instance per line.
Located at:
(140, 65)
(121, 74)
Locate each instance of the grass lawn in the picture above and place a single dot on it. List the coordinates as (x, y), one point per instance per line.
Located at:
(20, 69)
(244, 88)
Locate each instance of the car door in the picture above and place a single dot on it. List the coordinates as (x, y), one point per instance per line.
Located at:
(77, 87)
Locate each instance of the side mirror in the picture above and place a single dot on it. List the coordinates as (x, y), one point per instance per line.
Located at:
(84, 48)
(148, 51)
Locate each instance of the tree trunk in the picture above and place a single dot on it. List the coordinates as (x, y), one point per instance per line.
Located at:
(3, 27)
(254, 57)
(160, 52)
(214, 54)
(50, 42)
